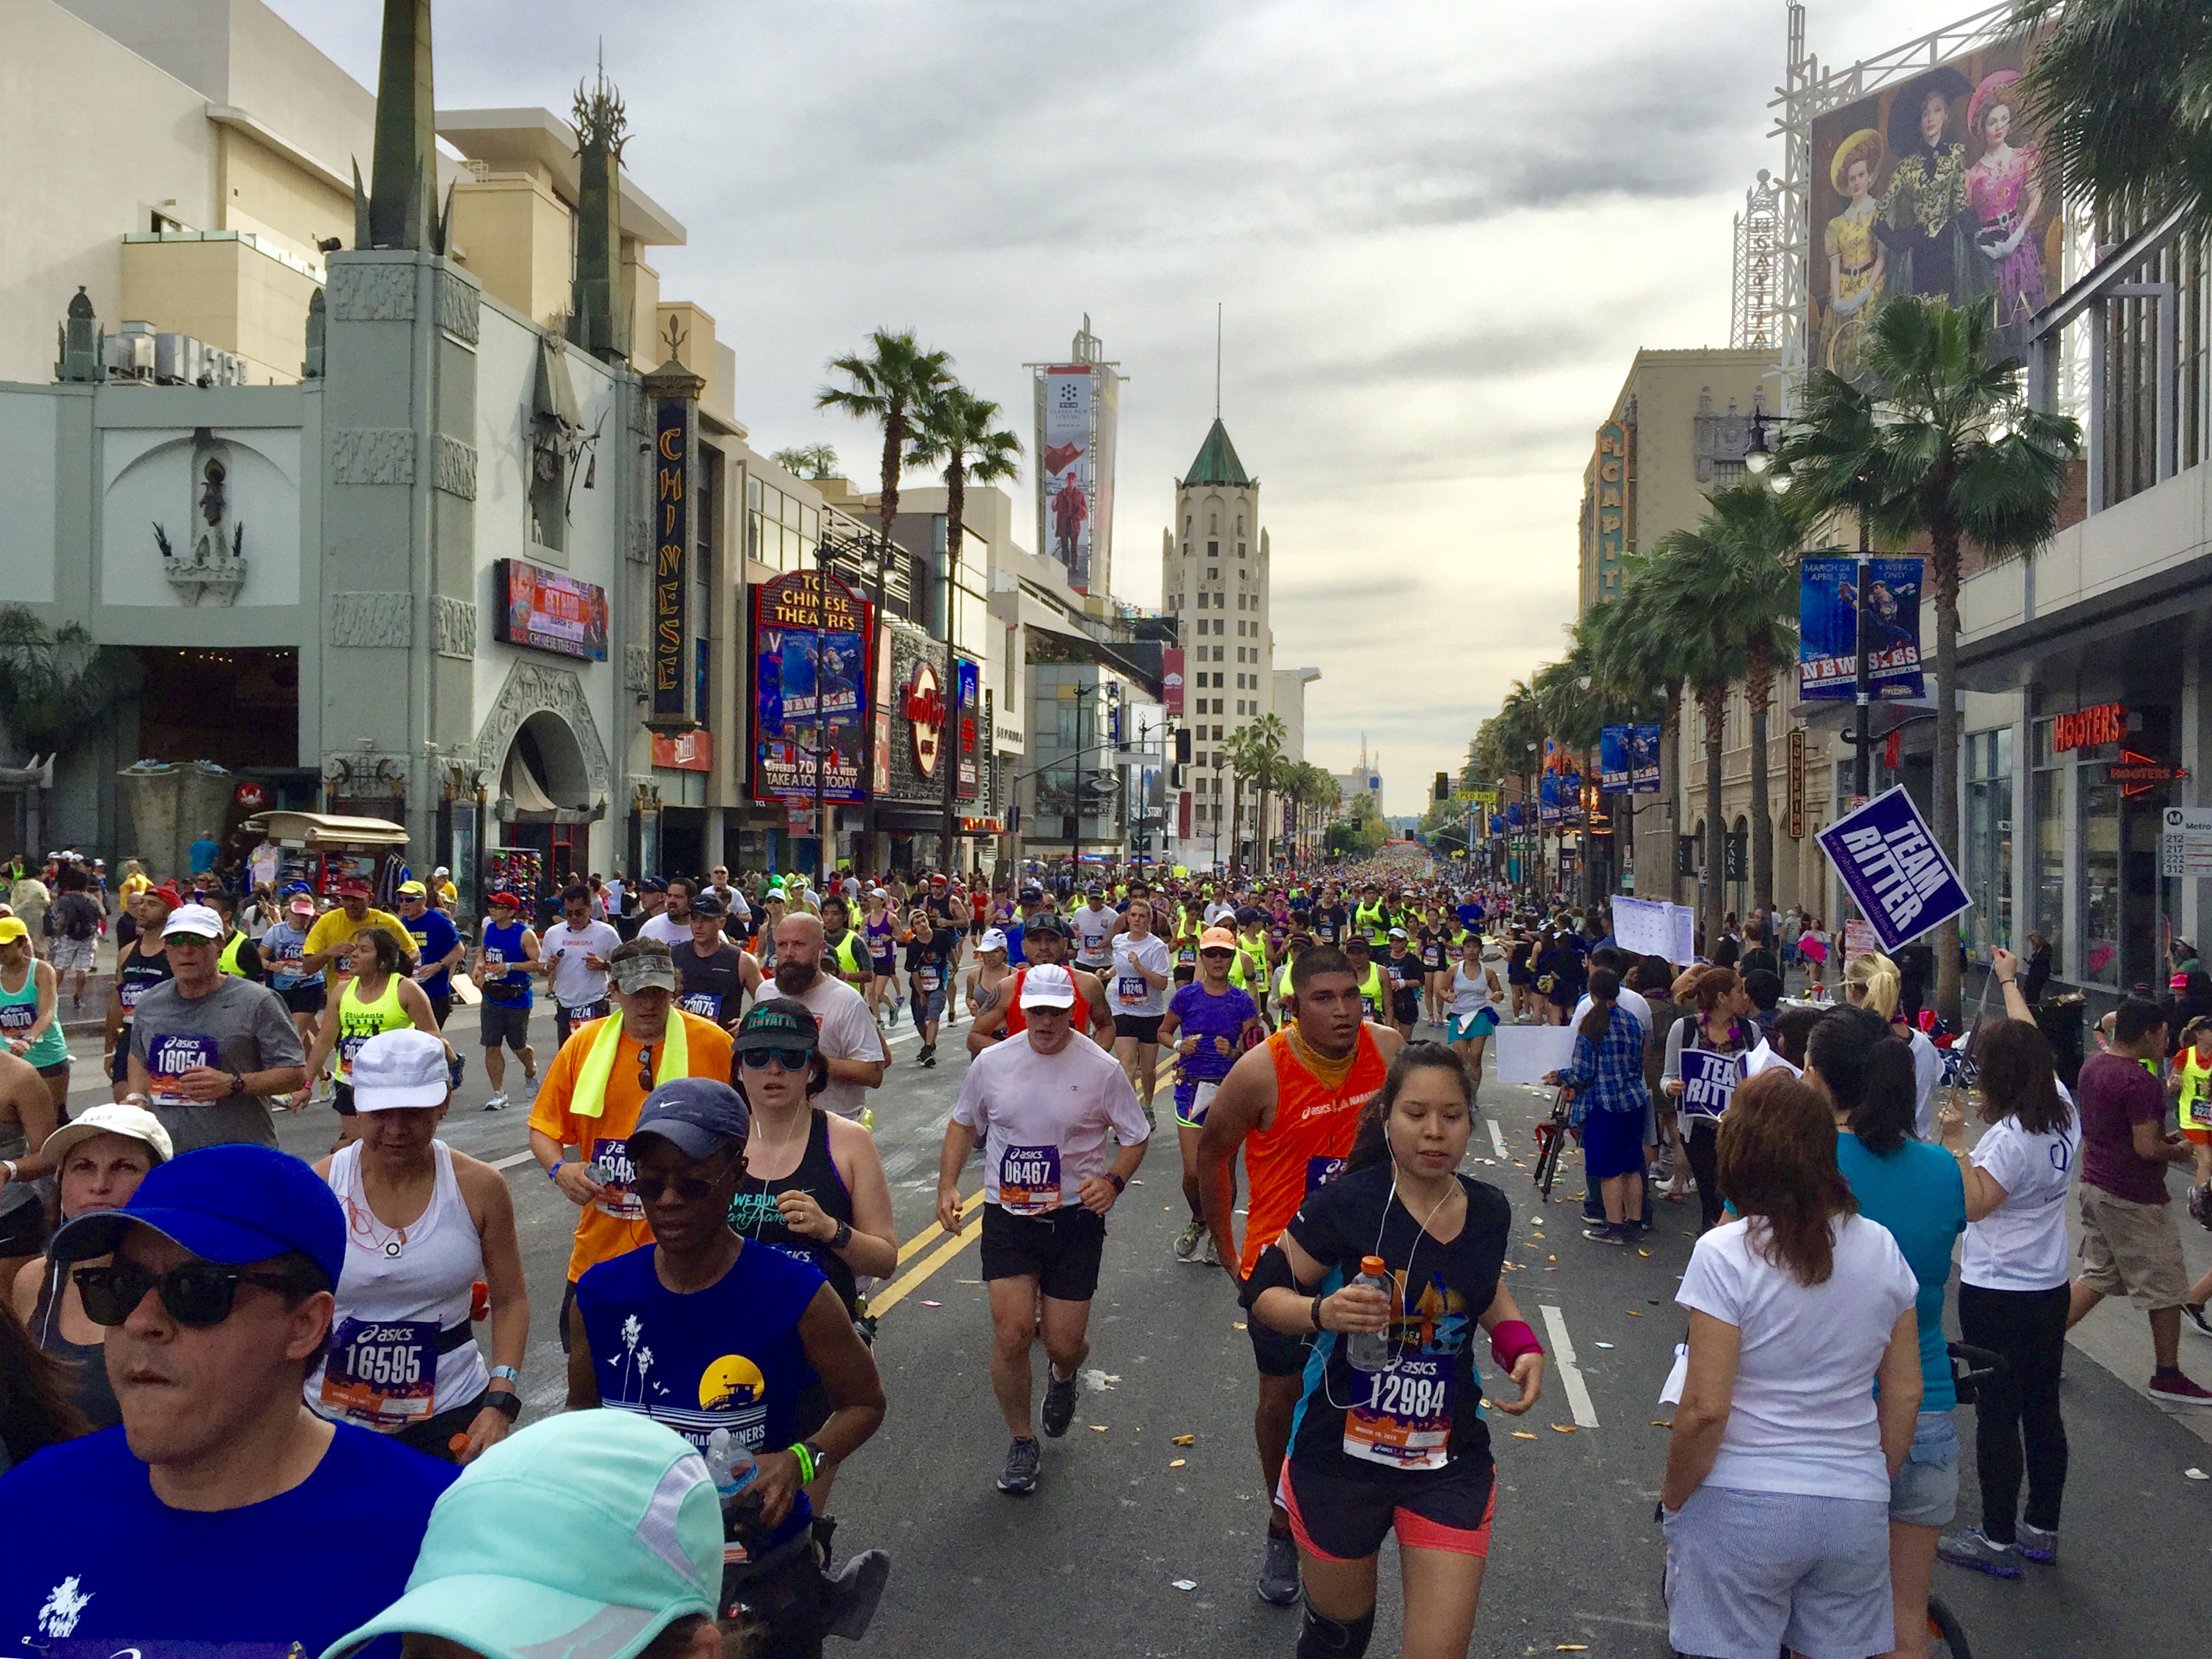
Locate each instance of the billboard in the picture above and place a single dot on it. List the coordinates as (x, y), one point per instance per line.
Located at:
(671, 559)
(810, 640)
(966, 704)
(1628, 760)
(1828, 627)
(549, 611)
(1064, 470)
(1936, 187)
(1171, 679)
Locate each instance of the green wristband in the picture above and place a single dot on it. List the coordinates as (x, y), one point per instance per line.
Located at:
(798, 1450)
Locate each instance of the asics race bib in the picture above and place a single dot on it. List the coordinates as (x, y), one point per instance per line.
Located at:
(382, 1374)
(1401, 1417)
(612, 1170)
(1029, 1179)
(167, 1060)
(707, 1004)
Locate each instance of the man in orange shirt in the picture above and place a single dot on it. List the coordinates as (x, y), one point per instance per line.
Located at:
(1293, 1104)
(580, 1121)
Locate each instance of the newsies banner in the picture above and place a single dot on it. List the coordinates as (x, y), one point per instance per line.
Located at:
(1628, 760)
(1828, 627)
(1895, 871)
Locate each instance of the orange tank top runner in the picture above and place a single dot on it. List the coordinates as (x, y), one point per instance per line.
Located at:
(1316, 1120)
(1017, 1022)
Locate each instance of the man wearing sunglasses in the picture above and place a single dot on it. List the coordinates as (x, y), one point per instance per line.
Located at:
(1042, 1107)
(209, 1050)
(217, 1301)
(587, 1106)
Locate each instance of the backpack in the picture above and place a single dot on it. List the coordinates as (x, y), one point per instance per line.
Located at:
(80, 926)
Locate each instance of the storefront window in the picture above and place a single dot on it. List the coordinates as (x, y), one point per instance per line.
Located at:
(2050, 847)
(1989, 840)
(2101, 918)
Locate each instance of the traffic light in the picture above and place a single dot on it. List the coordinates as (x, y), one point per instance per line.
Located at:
(1443, 786)
(1183, 745)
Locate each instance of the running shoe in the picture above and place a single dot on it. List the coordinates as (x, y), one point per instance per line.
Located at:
(1189, 1240)
(1212, 1252)
(1278, 1582)
(850, 1596)
(497, 1102)
(1605, 1233)
(1059, 1403)
(1976, 1549)
(530, 1075)
(2176, 1389)
(1020, 1477)
(2198, 1322)
(2200, 1205)
(2036, 1544)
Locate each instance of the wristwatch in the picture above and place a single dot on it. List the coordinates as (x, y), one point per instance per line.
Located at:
(1120, 1185)
(843, 1236)
(237, 1081)
(508, 1406)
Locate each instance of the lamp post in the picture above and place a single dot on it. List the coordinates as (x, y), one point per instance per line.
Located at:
(1220, 756)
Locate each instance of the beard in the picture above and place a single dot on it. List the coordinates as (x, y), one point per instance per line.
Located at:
(793, 978)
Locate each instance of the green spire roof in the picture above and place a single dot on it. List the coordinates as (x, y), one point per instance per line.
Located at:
(1217, 462)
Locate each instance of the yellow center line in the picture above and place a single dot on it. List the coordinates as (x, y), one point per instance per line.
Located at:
(933, 1232)
(891, 1295)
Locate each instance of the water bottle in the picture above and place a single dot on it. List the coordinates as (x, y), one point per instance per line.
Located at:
(1370, 1351)
(734, 1468)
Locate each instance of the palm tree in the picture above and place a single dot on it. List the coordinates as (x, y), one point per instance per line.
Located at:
(1263, 739)
(1943, 444)
(888, 388)
(959, 431)
(57, 686)
(814, 462)
(2121, 91)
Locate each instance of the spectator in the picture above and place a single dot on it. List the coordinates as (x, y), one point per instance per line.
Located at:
(1764, 986)
(2039, 968)
(1758, 958)
(1872, 981)
(204, 851)
(2130, 1242)
(1718, 1024)
(1612, 1104)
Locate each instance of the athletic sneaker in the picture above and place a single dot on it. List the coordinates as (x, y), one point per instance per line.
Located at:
(2198, 1322)
(1605, 1233)
(1189, 1240)
(2036, 1544)
(1059, 1403)
(1975, 1548)
(1278, 1571)
(1020, 1477)
(850, 1596)
(497, 1102)
(2176, 1389)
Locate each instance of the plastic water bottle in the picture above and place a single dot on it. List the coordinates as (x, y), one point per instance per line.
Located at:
(734, 1468)
(1370, 1351)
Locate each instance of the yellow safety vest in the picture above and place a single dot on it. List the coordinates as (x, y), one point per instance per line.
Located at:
(228, 963)
(2196, 1090)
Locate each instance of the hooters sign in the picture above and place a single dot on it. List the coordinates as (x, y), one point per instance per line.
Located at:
(926, 717)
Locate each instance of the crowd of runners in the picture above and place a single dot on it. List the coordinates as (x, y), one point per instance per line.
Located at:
(222, 1353)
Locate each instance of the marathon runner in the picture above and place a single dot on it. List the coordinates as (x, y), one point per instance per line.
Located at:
(572, 956)
(1408, 977)
(374, 998)
(1093, 924)
(1142, 969)
(284, 949)
(1293, 1104)
(1000, 1016)
(140, 965)
(1211, 1022)
(507, 957)
(713, 976)
(1374, 986)
(1041, 1109)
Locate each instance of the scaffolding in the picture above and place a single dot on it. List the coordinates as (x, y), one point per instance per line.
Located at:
(1752, 316)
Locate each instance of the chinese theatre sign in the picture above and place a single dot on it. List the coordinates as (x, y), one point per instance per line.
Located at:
(811, 641)
(669, 654)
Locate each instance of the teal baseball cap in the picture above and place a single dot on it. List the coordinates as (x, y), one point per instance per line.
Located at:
(585, 1535)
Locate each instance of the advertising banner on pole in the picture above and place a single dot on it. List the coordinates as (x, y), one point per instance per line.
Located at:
(1171, 680)
(1613, 771)
(1643, 759)
(1628, 760)
(1894, 869)
(1066, 472)
(1828, 628)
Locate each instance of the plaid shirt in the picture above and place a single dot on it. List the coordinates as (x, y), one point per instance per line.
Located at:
(1608, 1075)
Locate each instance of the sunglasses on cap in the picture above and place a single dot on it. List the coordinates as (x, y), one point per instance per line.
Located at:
(790, 1060)
(197, 1294)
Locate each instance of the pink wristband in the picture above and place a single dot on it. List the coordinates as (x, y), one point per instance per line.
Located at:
(1509, 1340)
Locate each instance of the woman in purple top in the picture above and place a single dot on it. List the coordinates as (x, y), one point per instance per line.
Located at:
(1211, 1022)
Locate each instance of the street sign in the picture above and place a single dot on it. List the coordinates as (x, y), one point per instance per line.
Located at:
(2185, 846)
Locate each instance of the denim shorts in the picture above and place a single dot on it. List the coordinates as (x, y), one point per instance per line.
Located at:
(1747, 1571)
(1924, 1490)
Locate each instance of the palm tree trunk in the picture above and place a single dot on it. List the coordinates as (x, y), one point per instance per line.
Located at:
(1946, 561)
(887, 503)
(956, 509)
(1236, 824)
(1712, 701)
(1670, 786)
(1758, 687)
(1264, 836)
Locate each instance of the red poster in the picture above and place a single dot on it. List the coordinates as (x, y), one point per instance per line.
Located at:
(1183, 815)
(1171, 679)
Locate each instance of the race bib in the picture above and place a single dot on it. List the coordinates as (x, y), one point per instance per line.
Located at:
(1320, 1171)
(495, 959)
(289, 960)
(1709, 1082)
(382, 1374)
(1029, 1179)
(17, 1016)
(2197, 1113)
(167, 1059)
(1131, 991)
(928, 977)
(348, 1046)
(128, 992)
(612, 1170)
(707, 1004)
(1401, 1417)
(591, 1010)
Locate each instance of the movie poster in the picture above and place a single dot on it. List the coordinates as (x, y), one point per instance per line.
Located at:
(1065, 471)
(1828, 628)
(808, 653)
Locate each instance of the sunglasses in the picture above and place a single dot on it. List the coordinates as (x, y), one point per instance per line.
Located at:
(790, 1060)
(197, 1294)
(1216, 950)
(644, 1079)
(690, 1189)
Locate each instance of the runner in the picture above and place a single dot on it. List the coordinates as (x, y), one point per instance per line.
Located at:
(1403, 1448)
(1142, 969)
(713, 976)
(1041, 1109)
(375, 997)
(1407, 976)
(851, 1044)
(30, 1011)
(424, 1225)
(76, 920)
(1473, 1008)
(27, 1116)
(235, 954)
(1293, 1104)
(1000, 1017)
(1433, 945)
(881, 930)
(507, 957)
(1211, 1022)
(844, 952)
(928, 970)
(992, 970)
(1093, 926)
(284, 949)
(670, 924)
(140, 965)
(573, 957)
(1374, 988)
(335, 930)
(438, 948)
(734, 1330)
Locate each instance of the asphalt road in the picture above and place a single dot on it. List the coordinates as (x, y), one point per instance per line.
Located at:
(1092, 1562)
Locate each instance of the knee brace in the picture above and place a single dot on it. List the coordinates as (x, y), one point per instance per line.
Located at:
(1322, 1637)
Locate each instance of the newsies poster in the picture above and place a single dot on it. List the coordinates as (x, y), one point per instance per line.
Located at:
(1828, 628)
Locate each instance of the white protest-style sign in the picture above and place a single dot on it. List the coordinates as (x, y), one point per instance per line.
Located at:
(1685, 935)
(1643, 927)
(1709, 1082)
(2184, 842)
(1527, 1054)
(1859, 938)
(1762, 1059)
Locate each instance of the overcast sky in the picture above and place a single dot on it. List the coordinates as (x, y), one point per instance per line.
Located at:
(1439, 231)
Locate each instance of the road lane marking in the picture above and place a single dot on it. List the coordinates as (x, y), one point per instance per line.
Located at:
(507, 1163)
(892, 1294)
(1570, 1379)
(933, 1231)
(1497, 1136)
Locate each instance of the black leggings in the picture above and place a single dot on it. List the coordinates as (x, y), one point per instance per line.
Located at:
(2028, 1328)
(1701, 1138)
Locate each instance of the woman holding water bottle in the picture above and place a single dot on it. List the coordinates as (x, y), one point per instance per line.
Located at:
(1389, 1434)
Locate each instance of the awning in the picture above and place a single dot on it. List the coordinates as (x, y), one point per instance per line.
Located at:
(317, 831)
(524, 786)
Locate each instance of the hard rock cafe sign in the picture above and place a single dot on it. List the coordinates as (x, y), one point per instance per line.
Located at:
(925, 717)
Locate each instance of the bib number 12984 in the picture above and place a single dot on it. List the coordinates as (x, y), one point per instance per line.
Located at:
(1401, 1417)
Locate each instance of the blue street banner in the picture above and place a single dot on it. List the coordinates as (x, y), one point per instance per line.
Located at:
(1643, 758)
(1709, 1082)
(1615, 768)
(1828, 627)
(1895, 871)
(1548, 800)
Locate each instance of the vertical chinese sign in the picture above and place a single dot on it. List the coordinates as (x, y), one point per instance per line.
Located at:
(668, 653)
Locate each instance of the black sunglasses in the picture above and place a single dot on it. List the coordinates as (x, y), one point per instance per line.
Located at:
(645, 1068)
(791, 1060)
(194, 1293)
(690, 1189)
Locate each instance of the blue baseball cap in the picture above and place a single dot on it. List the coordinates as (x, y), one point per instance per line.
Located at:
(699, 1116)
(232, 1204)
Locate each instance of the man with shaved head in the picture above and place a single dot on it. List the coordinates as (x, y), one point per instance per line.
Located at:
(850, 1040)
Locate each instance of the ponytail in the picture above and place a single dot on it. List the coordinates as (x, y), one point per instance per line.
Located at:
(1604, 987)
(1877, 978)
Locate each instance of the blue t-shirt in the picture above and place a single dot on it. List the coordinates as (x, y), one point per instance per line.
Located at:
(204, 856)
(1013, 931)
(726, 1357)
(1470, 915)
(1206, 1016)
(513, 989)
(1917, 1192)
(435, 936)
(99, 1565)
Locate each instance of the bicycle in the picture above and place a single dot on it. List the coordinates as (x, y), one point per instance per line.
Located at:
(1550, 1144)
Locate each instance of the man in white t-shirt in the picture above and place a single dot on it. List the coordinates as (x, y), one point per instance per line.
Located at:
(1042, 1107)
(737, 914)
(1093, 924)
(673, 927)
(850, 1042)
(574, 952)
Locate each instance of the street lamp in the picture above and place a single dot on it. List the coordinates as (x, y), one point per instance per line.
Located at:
(1758, 457)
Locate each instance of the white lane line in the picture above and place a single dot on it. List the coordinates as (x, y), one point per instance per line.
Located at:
(1570, 1379)
(512, 1159)
(1497, 1136)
